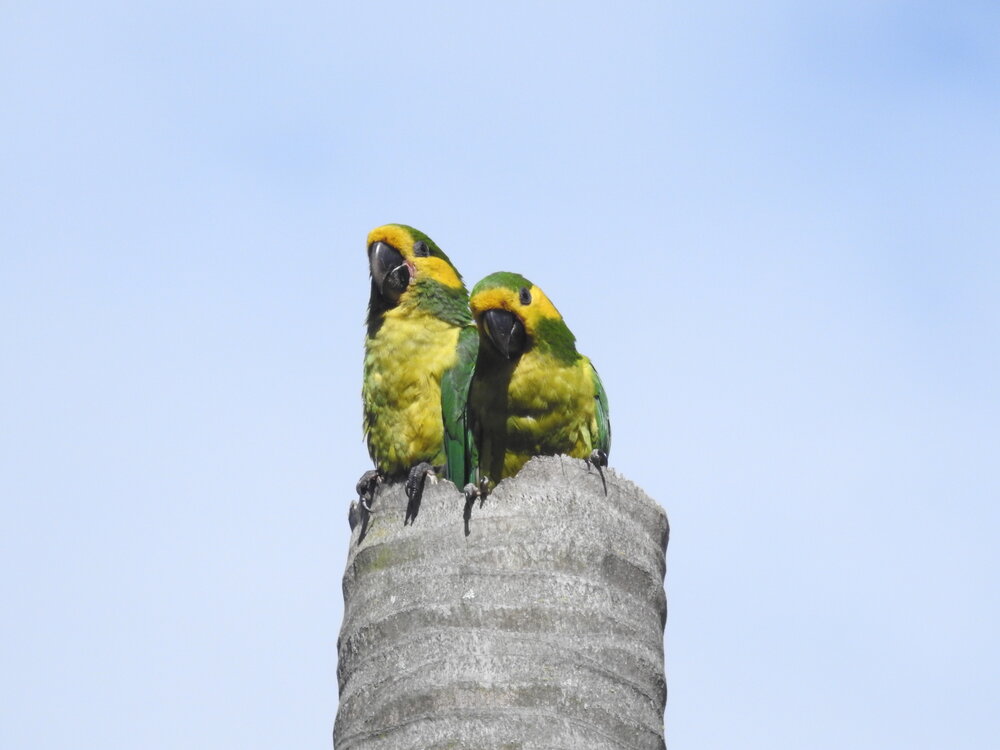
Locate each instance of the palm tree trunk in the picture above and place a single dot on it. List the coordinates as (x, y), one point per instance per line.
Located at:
(537, 621)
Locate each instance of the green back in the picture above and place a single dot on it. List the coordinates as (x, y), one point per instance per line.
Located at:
(603, 414)
(459, 446)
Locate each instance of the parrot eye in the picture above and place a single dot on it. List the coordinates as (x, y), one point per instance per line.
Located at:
(525, 296)
(420, 249)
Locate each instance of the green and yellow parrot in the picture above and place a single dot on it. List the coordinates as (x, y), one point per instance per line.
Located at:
(414, 368)
(532, 393)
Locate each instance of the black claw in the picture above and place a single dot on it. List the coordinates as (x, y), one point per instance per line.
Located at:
(415, 487)
(366, 488)
(471, 492)
(597, 459)
(416, 478)
(484, 489)
(368, 483)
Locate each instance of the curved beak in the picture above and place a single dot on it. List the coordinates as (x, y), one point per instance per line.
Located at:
(505, 331)
(390, 273)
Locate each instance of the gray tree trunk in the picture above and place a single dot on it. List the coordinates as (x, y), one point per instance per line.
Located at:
(537, 622)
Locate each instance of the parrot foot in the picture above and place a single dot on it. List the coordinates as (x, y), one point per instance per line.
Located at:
(480, 490)
(415, 487)
(597, 459)
(366, 488)
(471, 492)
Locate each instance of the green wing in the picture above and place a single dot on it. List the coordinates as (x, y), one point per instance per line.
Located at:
(603, 415)
(459, 447)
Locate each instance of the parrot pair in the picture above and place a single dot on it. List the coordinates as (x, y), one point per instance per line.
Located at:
(471, 386)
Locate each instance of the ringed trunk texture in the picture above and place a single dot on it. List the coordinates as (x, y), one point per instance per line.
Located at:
(536, 622)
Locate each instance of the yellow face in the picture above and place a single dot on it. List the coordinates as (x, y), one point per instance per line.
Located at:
(421, 265)
(531, 308)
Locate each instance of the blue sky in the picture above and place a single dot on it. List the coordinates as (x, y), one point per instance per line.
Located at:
(772, 226)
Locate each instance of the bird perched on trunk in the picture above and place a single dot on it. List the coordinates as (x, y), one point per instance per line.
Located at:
(417, 309)
(532, 393)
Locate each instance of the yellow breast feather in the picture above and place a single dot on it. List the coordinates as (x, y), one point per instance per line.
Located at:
(404, 363)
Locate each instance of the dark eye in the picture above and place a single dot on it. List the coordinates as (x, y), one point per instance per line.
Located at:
(525, 296)
(420, 249)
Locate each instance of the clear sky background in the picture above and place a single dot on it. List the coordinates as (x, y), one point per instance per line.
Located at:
(773, 226)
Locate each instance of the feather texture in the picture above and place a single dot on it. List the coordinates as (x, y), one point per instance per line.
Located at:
(546, 400)
(410, 347)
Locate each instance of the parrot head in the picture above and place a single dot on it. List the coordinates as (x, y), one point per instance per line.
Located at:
(514, 315)
(400, 257)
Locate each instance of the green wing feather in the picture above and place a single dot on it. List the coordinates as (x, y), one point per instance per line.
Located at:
(603, 415)
(459, 447)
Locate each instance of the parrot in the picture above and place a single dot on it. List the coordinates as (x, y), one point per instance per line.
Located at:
(531, 393)
(414, 367)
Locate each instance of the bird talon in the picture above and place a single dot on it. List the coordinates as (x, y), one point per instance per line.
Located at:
(366, 488)
(368, 483)
(416, 478)
(597, 458)
(470, 492)
(473, 491)
(415, 486)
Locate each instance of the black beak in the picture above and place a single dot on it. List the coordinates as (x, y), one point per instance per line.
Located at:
(506, 331)
(390, 273)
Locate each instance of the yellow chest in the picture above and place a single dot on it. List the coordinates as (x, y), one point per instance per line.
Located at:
(401, 393)
(549, 409)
